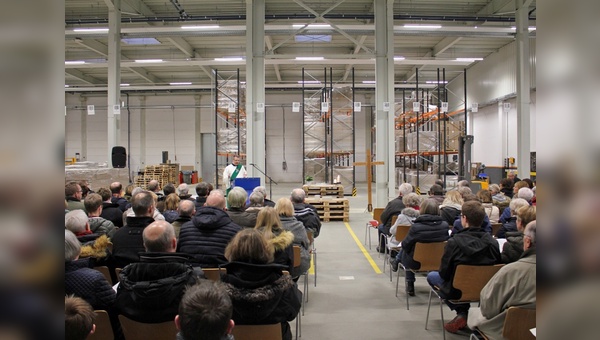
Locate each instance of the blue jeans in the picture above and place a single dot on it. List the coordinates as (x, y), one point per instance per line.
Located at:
(434, 279)
(410, 276)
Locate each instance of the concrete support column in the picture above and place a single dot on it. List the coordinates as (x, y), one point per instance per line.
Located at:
(114, 73)
(502, 122)
(198, 134)
(384, 93)
(523, 90)
(83, 133)
(142, 132)
(255, 87)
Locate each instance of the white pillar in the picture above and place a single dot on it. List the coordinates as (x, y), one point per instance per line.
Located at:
(255, 86)
(384, 93)
(114, 74)
(523, 91)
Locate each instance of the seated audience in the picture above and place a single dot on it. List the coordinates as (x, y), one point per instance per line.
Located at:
(205, 313)
(171, 206)
(393, 208)
(260, 292)
(116, 190)
(154, 186)
(471, 246)
(202, 190)
(257, 202)
(412, 203)
(285, 210)
(513, 248)
(73, 195)
(437, 193)
(506, 187)
(98, 225)
(183, 192)
(498, 198)
(263, 191)
(428, 227)
(237, 208)
(521, 191)
(110, 210)
(169, 189)
(149, 291)
(457, 226)
(186, 211)
(79, 319)
(208, 233)
(491, 211)
(450, 207)
(281, 240)
(156, 215)
(513, 285)
(511, 224)
(77, 222)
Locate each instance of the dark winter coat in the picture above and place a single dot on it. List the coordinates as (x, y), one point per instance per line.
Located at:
(199, 202)
(471, 246)
(102, 226)
(393, 208)
(261, 294)
(170, 215)
(88, 284)
(513, 247)
(307, 214)
(283, 244)
(121, 202)
(449, 214)
(486, 226)
(242, 217)
(509, 226)
(178, 223)
(206, 236)
(128, 242)
(425, 229)
(150, 290)
(111, 212)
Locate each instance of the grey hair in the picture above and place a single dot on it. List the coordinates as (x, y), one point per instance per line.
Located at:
(463, 183)
(464, 191)
(257, 199)
(163, 242)
(136, 191)
(186, 208)
(515, 204)
(530, 231)
(411, 200)
(260, 189)
(76, 221)
(494, 188)
(410, 212)
(72, 246)
(405, 189)
(526, 194)
(182, 189)
(237, 197)
(298, 196)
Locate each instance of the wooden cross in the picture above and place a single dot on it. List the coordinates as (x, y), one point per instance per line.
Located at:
(368, 164)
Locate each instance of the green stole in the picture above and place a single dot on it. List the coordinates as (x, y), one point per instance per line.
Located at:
(234, 175)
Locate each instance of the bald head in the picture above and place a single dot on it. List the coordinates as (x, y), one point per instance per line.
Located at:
(216, 199)
(159, 236)
(186, 208)
(153, 186)
(116, 188)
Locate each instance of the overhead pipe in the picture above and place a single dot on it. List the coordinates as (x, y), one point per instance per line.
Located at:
(189, 18)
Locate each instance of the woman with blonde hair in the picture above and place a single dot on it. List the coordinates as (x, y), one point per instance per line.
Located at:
(285, 210)
(281, 240)
(451, 207)
(171, 206)
(260, 292)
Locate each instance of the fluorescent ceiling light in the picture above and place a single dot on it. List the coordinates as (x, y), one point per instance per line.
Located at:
(312, 26)
(309, 82)
(206, 27)
(124, 85)
(368, 81)
(230, 59)
(181, 83)
(312, 38)
(531, 28)
(74, 62)
(399, 58)
(149, 60)
(90, 30)
(140, 41)
(67, 85)
(469, 59)
(422, 26)
(436, 82)
(310, 58)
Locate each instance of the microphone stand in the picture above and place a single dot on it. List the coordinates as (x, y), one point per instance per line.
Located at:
(271, 181)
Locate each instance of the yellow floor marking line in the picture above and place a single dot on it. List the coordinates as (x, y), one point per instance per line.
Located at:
(364, 251)
(311, 270)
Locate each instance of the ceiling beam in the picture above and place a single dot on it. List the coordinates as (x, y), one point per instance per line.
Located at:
(137, 6)
(270, 47)
(498, 7)
(84, 77)
(445, 44)
(142, 72)
(182, 45)
(93, 45)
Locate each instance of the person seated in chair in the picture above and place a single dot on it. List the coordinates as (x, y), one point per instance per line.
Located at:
(393, 208)
(79, 319)
(470, 246)
(513, 285)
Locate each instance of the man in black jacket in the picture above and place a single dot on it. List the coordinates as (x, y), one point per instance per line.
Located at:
(305, 213)
(471, 246)
(393, 208)
(150, 290)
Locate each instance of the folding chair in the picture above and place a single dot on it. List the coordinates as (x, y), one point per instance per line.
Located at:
(104, 329)
(257, 332)
(401, 232)
(134, 330)
(106, 272)
(313, 252)
(297, 261)
(374, 223)
(469, 280)
(517, 325)
(214, 274)
(495, 228)
(430, 257)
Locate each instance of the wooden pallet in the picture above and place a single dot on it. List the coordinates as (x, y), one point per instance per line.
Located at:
(331, 210)
(324, 190)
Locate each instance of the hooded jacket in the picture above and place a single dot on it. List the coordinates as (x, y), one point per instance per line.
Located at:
(283, 244)
(261, 294)
(513, 248)
(150, 290)
(300, 239)
(425, 229)
(111, 212)
(206, 236)
(450, 212)
(471, 246)
(99, 225)
(509, 226)
(307, 214)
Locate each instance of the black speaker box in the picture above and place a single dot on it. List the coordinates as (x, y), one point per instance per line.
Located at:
(119, 157)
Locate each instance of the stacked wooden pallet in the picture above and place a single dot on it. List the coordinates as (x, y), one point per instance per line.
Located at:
(324, 190)
(337, 209)
(163, 173)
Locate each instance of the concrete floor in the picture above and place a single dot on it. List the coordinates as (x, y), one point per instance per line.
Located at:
(353, 298)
